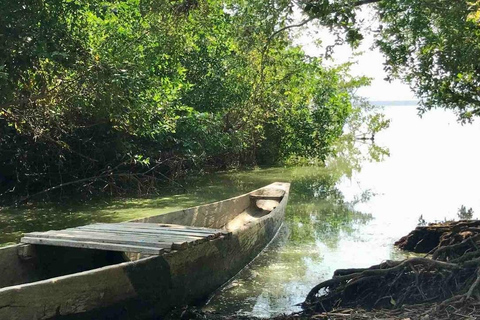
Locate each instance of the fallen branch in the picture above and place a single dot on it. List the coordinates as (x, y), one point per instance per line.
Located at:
(105, 174)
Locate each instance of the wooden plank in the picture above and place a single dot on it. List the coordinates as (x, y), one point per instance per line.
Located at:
(154, 232)
(115, 228)
(106, 236)
(114, 239)
(167, 238)
(143, 226)
(267, 193)
(136, 233)
(166, 226)
(182, 227)
(176, 227)
(92, 245)
(172, 227)
(157, 228)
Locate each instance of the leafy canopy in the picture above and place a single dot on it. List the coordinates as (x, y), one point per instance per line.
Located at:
(433, 45)
(101, 95)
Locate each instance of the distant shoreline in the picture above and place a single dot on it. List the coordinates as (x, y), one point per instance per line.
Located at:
(395, 103)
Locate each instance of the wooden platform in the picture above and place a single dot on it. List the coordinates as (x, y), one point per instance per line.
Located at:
(146, 238)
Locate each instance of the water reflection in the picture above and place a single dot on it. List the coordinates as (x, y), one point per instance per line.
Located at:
(332, 221)
(432, 170)
(312, 183)
(317, 220)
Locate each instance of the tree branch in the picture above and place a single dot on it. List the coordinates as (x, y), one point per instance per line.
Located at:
(363, 2)
(379, 272)
(298, 25)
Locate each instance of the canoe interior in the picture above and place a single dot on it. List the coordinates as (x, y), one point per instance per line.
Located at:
(128, 237)
(26, 263)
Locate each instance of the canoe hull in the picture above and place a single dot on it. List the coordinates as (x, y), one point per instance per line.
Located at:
(149, 286)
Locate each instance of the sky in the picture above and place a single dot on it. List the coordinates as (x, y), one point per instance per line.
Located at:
(369, 64)
(432, 168)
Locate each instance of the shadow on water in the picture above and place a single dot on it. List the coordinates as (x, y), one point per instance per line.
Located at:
(16, 221)
(280, 277)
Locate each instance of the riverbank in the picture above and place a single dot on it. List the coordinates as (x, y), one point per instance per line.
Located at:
(468, 310)
(442, 284)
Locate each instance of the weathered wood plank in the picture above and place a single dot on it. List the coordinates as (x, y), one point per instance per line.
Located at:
(111, 236)
(114, 239)
(267, 193)
(163, 231)
(174, 227)
(177, 227)
(147, 227)
(92, 245)
(128, 234)
(134, 233)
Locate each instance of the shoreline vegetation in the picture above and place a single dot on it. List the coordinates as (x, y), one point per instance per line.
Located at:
(110, 99)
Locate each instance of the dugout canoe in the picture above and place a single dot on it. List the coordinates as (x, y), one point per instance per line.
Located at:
(60, 275)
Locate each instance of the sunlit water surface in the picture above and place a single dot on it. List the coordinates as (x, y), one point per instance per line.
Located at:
(332, 221)
(432, 170)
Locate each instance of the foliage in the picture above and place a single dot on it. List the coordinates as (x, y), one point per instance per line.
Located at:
(421, 221)
(432, 45)
(436, 49)
(110, 95)
(464, 214)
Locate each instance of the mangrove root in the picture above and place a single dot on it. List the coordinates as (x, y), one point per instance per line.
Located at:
(451, 275)
(426, 239)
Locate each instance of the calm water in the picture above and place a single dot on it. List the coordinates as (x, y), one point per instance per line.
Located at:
(433, 170)
(332, 221)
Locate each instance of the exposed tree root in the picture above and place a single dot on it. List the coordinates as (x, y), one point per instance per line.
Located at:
(452, 275)
(426, 239)
(445, 286)
(466, 310)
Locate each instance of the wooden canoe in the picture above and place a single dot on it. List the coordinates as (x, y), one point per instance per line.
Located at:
(86, 273)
